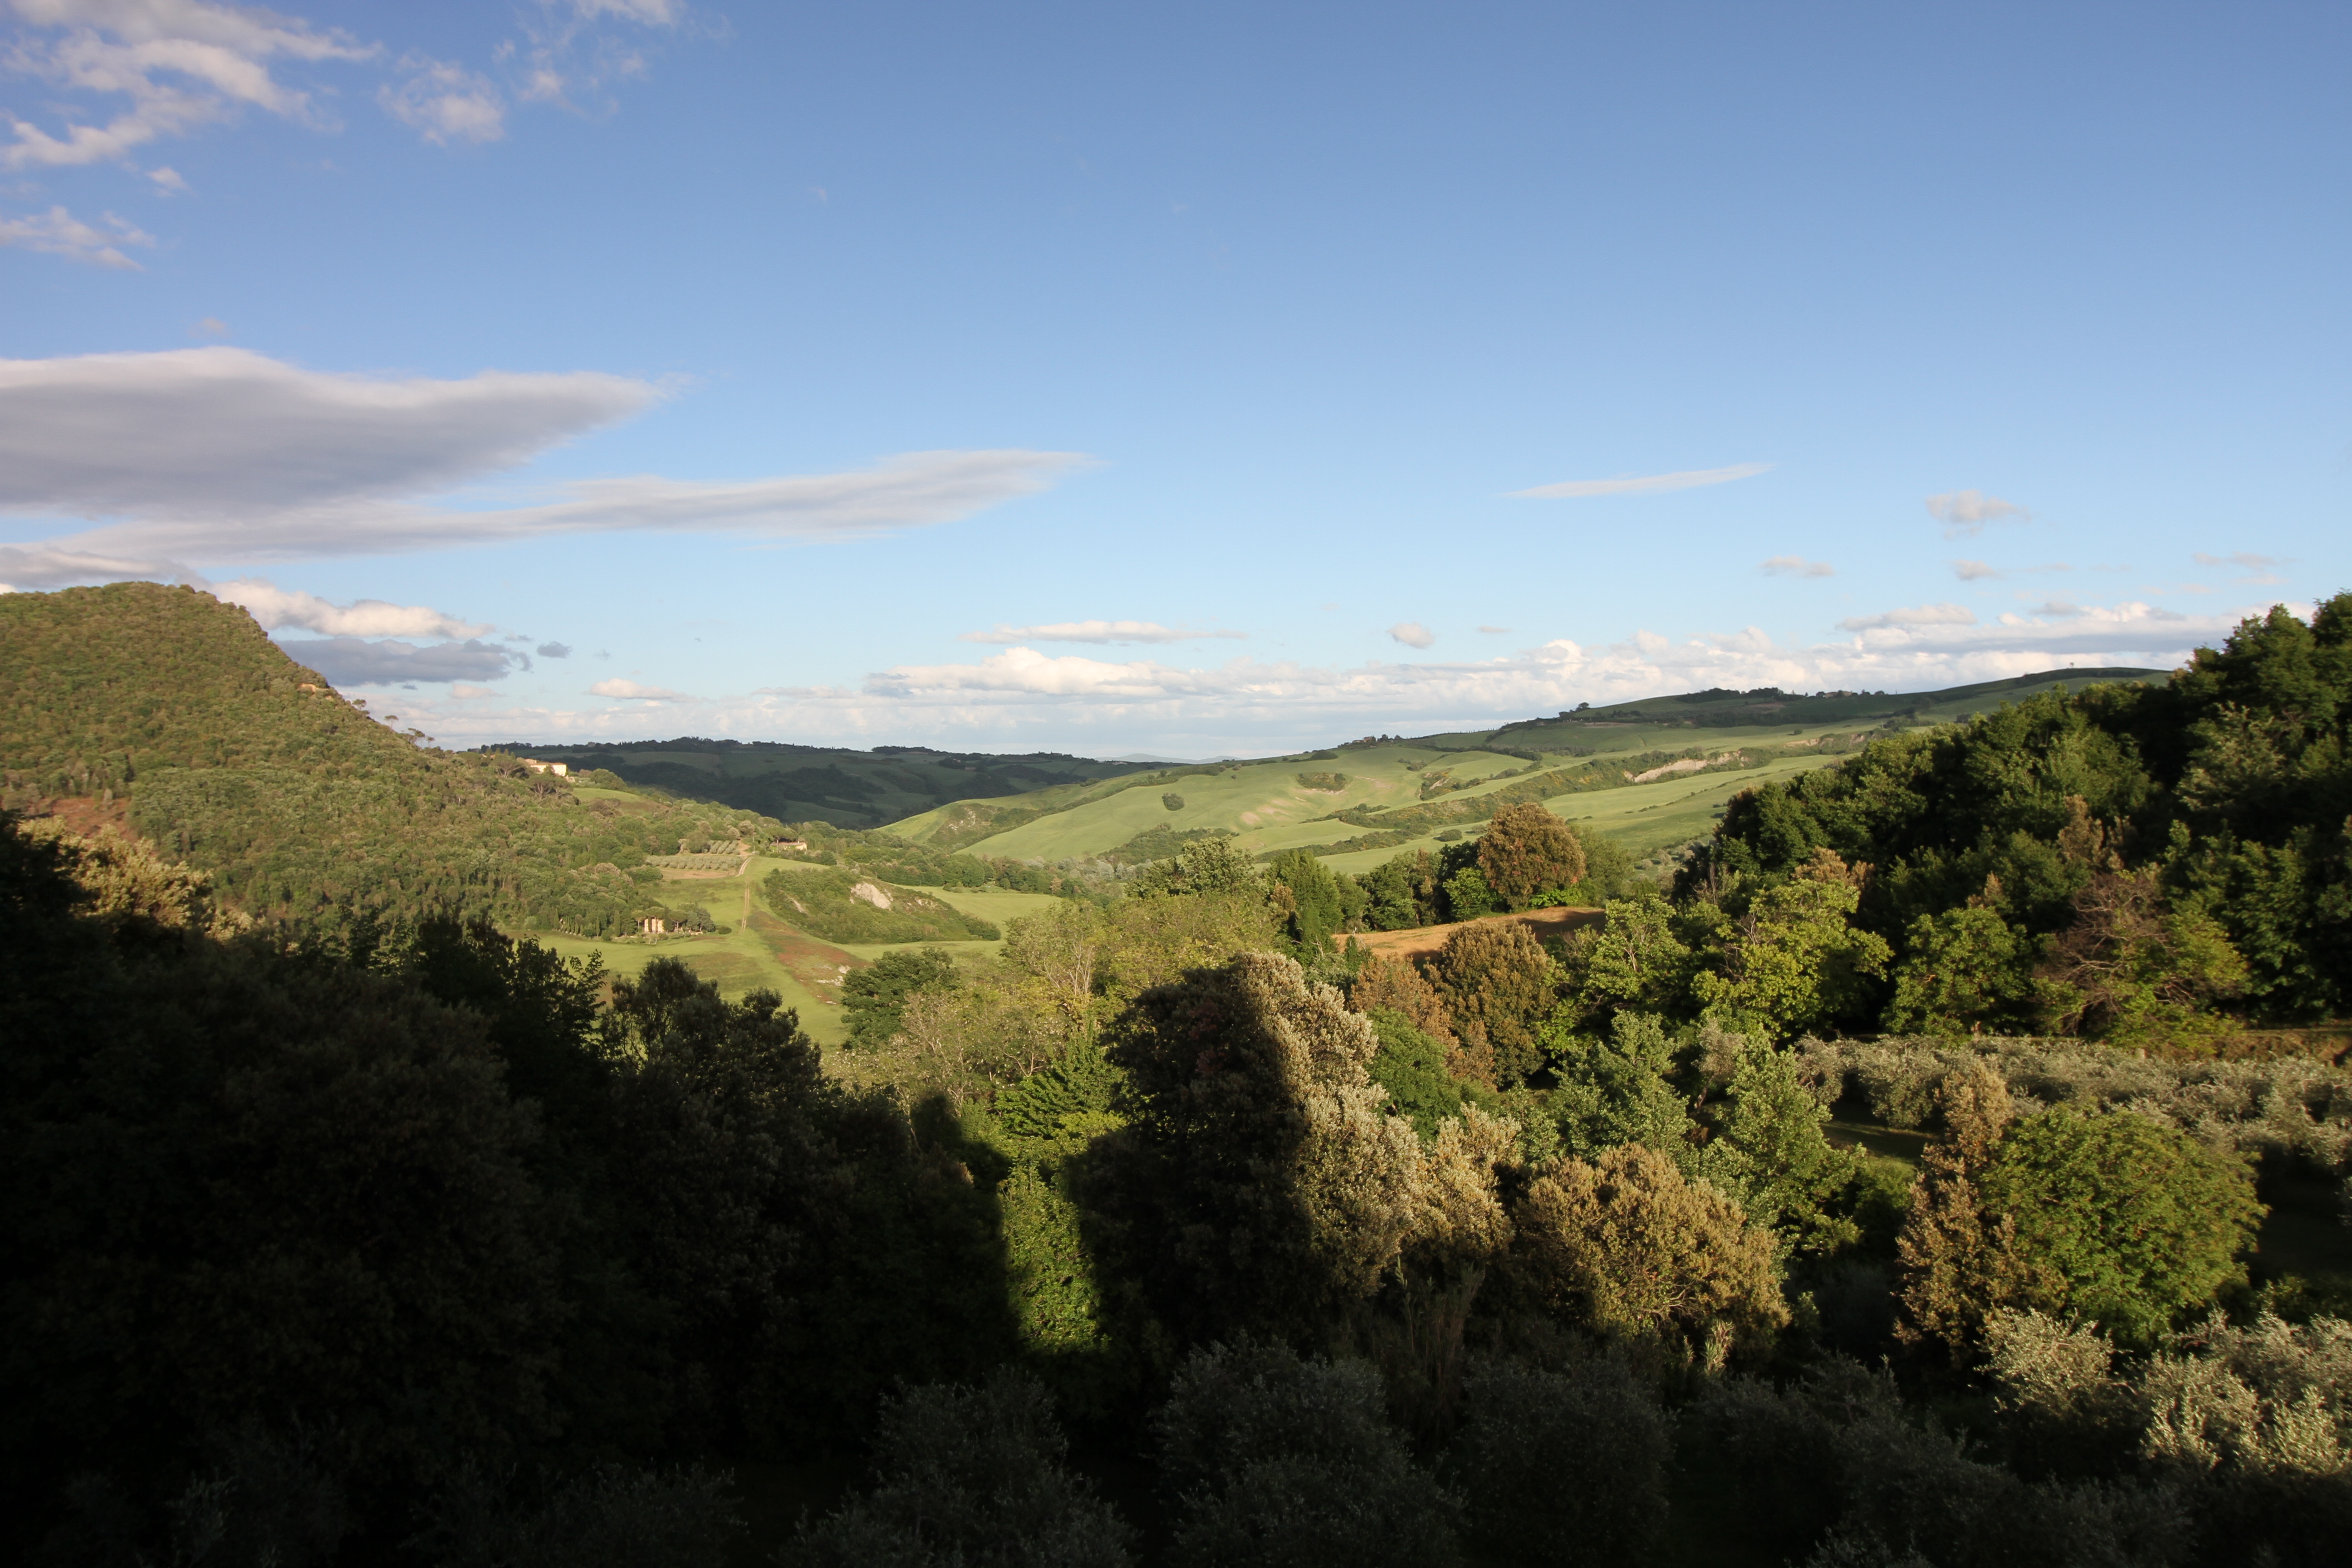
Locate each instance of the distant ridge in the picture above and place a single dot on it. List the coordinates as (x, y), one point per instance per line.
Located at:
(1721, 707)
(874, 788)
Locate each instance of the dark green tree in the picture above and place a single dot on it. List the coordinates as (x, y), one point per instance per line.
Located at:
(1403, 893)
(1282, 1462)
(1495, 977)
(873, 998)
(1412, 1066)
(2120, 1220)
(1308, 898)
(1527, 850)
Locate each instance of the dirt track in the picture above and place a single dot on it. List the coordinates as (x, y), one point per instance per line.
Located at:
(1422, 941)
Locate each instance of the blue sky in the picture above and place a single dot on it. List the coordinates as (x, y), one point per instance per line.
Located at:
(1184, 379)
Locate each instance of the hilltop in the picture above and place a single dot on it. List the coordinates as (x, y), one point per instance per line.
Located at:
(167, 713)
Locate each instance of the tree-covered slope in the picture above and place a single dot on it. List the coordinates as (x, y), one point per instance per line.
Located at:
(2131, 847)
(174, 712)
(829, 783)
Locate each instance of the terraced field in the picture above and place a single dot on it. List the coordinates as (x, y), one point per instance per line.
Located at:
(761, 952)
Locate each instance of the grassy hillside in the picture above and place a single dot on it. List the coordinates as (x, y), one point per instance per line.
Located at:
(826, 784)
(163, 710)
(1652, 774)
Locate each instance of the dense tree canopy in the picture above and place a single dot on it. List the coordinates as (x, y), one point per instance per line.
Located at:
(2229, 789)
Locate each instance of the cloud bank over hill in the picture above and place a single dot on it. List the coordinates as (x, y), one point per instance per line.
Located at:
(1025, 696)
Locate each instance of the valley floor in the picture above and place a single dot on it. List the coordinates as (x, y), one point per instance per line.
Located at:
(759, 951)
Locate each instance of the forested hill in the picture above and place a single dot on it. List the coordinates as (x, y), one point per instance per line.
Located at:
(166, 711)
(2119, 860)
(1720, 708)
(829, 783)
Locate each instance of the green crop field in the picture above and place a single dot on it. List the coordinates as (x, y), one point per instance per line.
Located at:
(1266, 809)
(1723, 741)
(759, 951)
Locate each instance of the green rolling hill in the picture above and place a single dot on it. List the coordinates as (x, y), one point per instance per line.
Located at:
(1652, 774)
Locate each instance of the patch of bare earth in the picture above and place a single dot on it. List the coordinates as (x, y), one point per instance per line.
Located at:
(1422, 941)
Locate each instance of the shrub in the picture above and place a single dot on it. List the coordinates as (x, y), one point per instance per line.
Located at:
(1614, 1091)
(969, 1478)
(2120, 1220)
(2289, 1107)
(1795, 960)
(1837, 1449)
(1412, 1066)
(1280, 1461)
(1261, 1185)
(1962, 969)
(1566, 1468)
(612, 1516)
(1468, 897)
(1630, 1248)
(1172, 801)
(873, 999)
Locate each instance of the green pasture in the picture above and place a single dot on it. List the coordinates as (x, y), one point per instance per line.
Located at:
(1266, 807)
(759, 952)
(1649, 820)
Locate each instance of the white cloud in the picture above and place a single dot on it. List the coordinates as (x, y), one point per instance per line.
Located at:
(1968, 511)
(1095, 631)
(630, 688)
(1690, 479)
(220, 431)
(1413, 634)
(180, 64)
(349, 662)
(59, 233)
(1975, 571)
(651, 13)
(1919, 615)
(222, 455)
(2259, 569)
(553, 650)
(445, 102)
(168, 181)
(1797, 566)
(465, 693)
(126, 73)
(1495, 631)
(25, 570)
(2057, 609)
(278, 608)
(572, 52)
(1023, 699)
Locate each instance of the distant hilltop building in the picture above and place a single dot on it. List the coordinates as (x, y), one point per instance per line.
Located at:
(559, 770)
